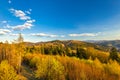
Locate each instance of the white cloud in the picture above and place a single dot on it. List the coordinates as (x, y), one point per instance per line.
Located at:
(30, 9)
(7, 26)
(26, 25)
(30, 21)
(23, 16)
(47, 35)
(43, 35)
(52, 36)
(62, 36)
(13, 34)
(28, 12)
(4, 22)
(84, 35)
(9, 1)
(4, 31)
(19, 13)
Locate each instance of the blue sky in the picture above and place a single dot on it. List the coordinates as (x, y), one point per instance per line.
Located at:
(45, 20)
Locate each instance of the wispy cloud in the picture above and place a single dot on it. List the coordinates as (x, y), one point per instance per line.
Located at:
(29, 11)
(14, 34)
(62, 36)
(84, 35)
(9, 1)
(19, 13)
(26, 25)
(43, 35)
(4, 31)
(30, 21)
(4, 22)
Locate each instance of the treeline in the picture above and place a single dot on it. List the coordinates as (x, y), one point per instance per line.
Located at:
(82, 52)
(62, 50)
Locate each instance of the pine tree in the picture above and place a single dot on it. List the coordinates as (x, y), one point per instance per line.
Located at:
(19, 47)
(114, 54)
(81, 53)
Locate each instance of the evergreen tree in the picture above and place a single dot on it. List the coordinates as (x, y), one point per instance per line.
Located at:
(114, 54)
(20, 50)
(81, 53)
(20, 38)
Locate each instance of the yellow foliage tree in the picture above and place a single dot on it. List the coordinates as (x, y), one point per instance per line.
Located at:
(7, 72)
(50, 69)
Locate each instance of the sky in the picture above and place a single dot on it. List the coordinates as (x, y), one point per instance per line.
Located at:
(46, 20)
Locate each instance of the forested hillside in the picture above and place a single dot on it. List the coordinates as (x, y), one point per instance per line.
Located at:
(58, 60)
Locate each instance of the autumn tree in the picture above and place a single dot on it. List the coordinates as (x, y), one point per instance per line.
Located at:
(50, 69)
(68, 51)
(7, 72)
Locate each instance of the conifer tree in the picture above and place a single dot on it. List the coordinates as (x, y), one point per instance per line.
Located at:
(114, 54)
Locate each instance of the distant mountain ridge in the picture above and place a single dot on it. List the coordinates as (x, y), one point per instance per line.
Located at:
(107, 43)
(71, 43)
